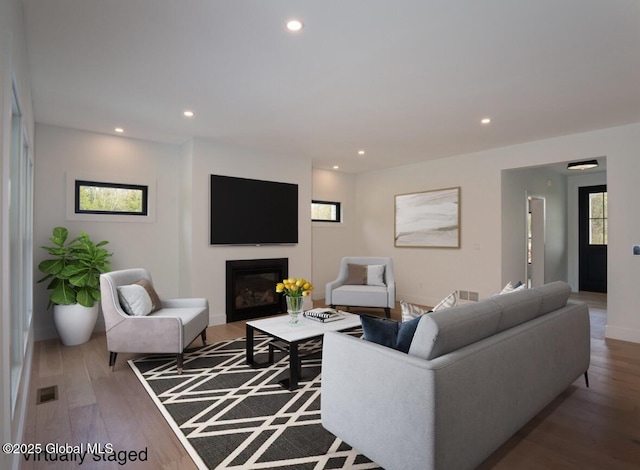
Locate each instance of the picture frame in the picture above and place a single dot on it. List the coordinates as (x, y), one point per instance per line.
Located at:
(428, 219)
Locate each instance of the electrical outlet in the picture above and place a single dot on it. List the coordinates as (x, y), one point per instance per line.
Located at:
(473, 296)
(463, 295)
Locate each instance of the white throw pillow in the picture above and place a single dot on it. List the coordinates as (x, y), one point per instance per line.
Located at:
(135, 300)
(449, 301)
(506, 289)
(375, 275)
(511, 288)
(411, 311)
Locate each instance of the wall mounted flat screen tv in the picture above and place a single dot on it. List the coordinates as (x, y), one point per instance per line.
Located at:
(252, 212)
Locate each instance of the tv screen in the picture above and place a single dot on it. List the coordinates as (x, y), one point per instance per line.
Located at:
(253, 212)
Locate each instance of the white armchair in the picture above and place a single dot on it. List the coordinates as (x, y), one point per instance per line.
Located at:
(170, 329)
(363, 282)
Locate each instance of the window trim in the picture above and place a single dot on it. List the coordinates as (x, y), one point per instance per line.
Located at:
(338, 207)
(100, 184)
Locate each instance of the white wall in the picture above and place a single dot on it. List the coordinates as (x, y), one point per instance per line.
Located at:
(185, 254)
(332, 241)
(517, 185)
(426, 275)
(623, 194)
(135, 243)
(13, 66)
(174, 243)
(209, 262)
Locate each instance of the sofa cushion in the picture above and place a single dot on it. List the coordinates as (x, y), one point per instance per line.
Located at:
(447, 330)
(554, 296)
(411, 311)
(134, 300)
(449, 301)
(393, 334)
(375, 275)
(511, 287)
(518, 308)
(363, 296)
(156, 303)
(365, 274)
(531, 303)
(442, 332)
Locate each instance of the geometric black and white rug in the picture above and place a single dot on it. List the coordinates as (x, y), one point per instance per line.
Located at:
(230, 416)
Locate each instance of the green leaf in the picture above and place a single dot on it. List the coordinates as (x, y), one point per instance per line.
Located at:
(54, 282)
(60, 235)
(85, 298)
(71, 269)
(51, 266)
(93, 281)
(48, 276)
(63, 294)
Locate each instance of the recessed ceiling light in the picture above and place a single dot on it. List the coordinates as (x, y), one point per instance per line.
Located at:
(486, 121)
(119, 130)
(335, 167)
(188, 113)
(360, 152)
(294, 25)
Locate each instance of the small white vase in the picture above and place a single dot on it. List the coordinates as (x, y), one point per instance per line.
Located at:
(75, 323)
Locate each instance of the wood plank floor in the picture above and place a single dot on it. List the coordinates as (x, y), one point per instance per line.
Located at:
(584, 428)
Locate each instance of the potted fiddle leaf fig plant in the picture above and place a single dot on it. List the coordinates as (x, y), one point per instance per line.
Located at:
(73, 272)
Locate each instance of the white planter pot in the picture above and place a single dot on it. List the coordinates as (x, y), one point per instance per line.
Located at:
(75, 323)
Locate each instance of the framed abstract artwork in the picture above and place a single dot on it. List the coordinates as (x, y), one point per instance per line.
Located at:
(428, 219)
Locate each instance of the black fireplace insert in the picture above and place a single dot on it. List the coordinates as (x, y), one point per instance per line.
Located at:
(251, 288)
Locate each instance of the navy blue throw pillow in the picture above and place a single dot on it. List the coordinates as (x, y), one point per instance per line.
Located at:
(391, 334)
(406, 330)
(379, 331)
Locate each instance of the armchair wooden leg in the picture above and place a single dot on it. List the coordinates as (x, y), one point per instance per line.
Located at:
(586, 378)
(203, 335)
(112, 360)
(387, 312)
(179, 361)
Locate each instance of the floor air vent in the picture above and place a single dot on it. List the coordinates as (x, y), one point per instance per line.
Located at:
(47, 394)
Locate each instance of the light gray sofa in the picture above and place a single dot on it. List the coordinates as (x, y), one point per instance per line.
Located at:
(474, 375)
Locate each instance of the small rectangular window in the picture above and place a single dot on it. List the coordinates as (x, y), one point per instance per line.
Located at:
(325, 211)
(92, 197)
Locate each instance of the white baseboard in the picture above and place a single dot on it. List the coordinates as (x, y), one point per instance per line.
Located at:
(217, 318)
(622, 334)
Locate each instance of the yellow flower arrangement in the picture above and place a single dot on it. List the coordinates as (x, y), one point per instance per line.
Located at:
(293, 287)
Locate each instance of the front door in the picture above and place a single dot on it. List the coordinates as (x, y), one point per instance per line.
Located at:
(593, 227)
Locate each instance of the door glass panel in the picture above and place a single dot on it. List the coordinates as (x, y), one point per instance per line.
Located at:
(598, 218)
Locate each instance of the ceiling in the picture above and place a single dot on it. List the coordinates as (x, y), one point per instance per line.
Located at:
(404, 80)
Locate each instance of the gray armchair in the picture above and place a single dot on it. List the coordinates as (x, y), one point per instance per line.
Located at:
(170, 329)
(363, 287)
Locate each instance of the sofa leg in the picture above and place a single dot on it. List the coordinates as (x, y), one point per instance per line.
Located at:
(112, 360)
(179, 360)
(332, 306)
(203, 335)
(387, 312)
(586, 378)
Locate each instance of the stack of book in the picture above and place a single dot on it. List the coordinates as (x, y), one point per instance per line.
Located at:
(323, 314)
